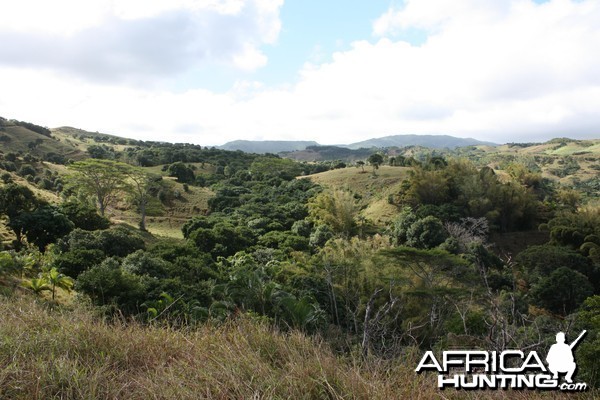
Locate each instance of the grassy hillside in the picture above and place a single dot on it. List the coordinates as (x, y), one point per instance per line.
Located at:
(68, 143)
(17, 139)
(371, 190)
(167, 219)
(571, 163)
(51, 353)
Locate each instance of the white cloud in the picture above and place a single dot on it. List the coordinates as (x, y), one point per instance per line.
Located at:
(133, 40)
(501, 70)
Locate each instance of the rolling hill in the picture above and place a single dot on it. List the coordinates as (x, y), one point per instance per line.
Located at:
(16, 136)
(267, 146)
(311, 151)
(431, 141)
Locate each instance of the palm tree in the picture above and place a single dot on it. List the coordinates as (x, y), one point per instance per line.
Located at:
(37, 285)
(57, 279)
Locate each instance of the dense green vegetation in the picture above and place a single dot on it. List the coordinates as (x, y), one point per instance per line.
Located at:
(273, 245)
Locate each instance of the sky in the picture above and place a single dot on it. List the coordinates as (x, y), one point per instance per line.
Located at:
(333, 71)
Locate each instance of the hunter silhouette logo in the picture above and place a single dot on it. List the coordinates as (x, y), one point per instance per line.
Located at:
(560, 357)
(508, 369)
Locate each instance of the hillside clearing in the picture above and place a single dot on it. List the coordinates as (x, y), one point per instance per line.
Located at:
(371, 190)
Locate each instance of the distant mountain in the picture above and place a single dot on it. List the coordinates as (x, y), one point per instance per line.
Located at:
(281, 146)
(431, 141)
(267, 146)
(328, 153)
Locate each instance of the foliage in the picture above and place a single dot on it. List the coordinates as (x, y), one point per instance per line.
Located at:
(74, 262)
(541, 261)
(181, 172)
(588, 351)
(37, 285)
(107, 284)
(562, 292)
(45, 225)
(112, 242)
(426, 233)
(335, 209)
(83, 215)
(478, 193)
(268, 166)
(15, 200)
(102, 179)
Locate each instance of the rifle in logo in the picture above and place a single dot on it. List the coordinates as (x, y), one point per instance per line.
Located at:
(560, 357)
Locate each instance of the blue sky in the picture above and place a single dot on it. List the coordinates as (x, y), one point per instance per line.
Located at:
(311, 31)
(210, 71)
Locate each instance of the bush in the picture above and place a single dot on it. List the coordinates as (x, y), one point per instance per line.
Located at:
(45, 225)
(143, 263)
(426, 233)
(108, 284)
(84, 216)
(6, 178)
(73, 263)
(120, 242)
(320, 236)
(562, 292)
(27, 170)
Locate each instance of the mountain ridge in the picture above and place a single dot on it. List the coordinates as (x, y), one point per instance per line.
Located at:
(280, 146)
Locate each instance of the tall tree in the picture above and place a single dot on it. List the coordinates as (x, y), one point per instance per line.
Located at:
(14, 201)
(141, 187)
(103, 179)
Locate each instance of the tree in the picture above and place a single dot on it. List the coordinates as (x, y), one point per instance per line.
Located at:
(108, 283)
(14, 201)
(182, 172)
(56, 279)
(45, 225)
(83, 215)
(426, 233)
(336, 209)
(141, 188)
(361, 164)
(375, 160)
(103, 179)
(540, 261)
(562, 292)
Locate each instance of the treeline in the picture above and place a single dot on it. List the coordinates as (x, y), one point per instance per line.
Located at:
(32, 127)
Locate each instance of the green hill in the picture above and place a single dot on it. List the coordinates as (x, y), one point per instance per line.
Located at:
(17, 137)
(430, 141)
(372, 191)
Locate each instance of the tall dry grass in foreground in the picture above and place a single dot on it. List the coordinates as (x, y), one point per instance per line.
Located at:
(54, 354)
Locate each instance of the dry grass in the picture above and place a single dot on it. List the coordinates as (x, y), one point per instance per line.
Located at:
(372, 189)
(67, 354)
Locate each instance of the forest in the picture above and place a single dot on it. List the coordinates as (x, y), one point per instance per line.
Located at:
(405, 250)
